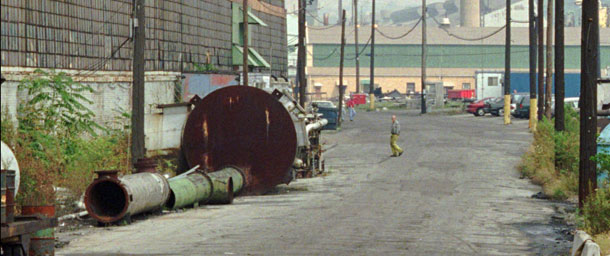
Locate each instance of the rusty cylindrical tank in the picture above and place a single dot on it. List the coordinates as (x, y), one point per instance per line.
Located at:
(110, 198)
(244, 127)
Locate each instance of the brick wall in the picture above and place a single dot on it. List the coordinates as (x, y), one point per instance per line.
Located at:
(93, 35)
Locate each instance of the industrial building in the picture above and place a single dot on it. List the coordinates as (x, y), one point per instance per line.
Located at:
(450, 61)
(192, 47)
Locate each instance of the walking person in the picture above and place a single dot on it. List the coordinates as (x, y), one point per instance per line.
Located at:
(396, 150)
(352, 111)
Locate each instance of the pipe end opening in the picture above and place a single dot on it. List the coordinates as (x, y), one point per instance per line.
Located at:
(106, 200)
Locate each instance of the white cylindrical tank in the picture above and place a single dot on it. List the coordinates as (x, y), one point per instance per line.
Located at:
(9, 162)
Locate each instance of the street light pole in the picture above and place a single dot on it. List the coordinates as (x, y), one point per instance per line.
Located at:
(507, 65)
(301, 58)
(356, 26)
(532, 58)
(372, 79)
(138, 149)
(423, 57)
(341, 86)
(589, 72)
(540, 30)
(559, 66)
(245, 44)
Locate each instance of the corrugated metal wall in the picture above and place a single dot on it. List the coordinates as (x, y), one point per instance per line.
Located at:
(92, 35)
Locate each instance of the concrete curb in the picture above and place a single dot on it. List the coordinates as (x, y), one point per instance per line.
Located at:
(583, 245)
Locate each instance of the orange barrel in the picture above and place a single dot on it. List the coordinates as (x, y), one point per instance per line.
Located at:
(42, 241)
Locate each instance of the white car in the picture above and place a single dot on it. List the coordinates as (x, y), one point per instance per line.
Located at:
(323, 104)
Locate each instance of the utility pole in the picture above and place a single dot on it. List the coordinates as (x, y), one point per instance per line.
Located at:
(372, 80)
(549, 60)
(340, 12)
(341, 86)
(507, 65)
(301, 57)
(540, 29)
(245, 44)
(138, 149)
(356, 26)
(589, 72)
(532, 51)
(424, 9)
(559, 66)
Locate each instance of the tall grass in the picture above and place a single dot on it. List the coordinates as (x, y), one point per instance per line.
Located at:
(552, 160)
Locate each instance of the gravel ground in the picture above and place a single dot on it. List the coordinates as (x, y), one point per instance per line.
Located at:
(455, 191)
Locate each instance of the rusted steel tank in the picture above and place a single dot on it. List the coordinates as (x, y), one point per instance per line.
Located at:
(109, 198)
(244, 127)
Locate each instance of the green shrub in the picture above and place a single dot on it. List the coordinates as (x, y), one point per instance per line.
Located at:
(553, 159)
(56, 142)
(596, 212)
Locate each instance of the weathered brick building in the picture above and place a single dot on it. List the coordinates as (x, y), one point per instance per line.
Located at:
(196, 41)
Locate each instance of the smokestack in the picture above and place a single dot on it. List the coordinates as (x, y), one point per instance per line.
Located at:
(470, 12)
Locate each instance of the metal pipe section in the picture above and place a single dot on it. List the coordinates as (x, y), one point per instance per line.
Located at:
(222, 188)
(316, 125)
(189, 189)
(110, 198)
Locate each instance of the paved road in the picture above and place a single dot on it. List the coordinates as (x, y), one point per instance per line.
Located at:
(455, 191)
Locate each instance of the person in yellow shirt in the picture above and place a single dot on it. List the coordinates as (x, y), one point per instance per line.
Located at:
(396, 150)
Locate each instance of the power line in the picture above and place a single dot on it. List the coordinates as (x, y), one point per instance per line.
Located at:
(429, 55)
(362, 51)
(465, 38)
(323, 58)
(87, 73)
(401, 36)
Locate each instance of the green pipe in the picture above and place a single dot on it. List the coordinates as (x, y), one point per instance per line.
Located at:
(188, 190)
(236, 175)
(226, 183)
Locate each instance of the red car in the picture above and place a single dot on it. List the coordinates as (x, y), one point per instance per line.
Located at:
(477, 107)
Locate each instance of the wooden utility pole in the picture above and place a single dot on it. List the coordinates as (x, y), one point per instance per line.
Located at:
(372, 79)
(245, 44)
(549, 60)
(559, 66)
(301, 57)
(356, 27)
(507, 65)
(138, 149)
(423, 56)
(340, 12)
(540, 28)
(589, 72)
(532, 51)
(341, 86)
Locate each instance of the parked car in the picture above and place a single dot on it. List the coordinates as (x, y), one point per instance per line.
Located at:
(523, 108)
(323, 104)
(476, 107)
(571, 102)
(495, 106)
(516, 98)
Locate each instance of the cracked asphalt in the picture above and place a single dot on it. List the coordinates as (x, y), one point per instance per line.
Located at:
(455, 191)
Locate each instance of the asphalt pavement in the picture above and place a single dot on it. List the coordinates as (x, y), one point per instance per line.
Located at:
(454, 191)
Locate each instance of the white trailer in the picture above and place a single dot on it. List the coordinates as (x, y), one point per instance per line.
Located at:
(489, 84)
